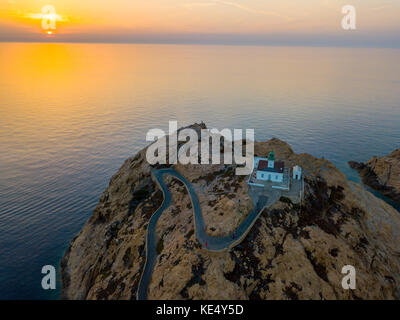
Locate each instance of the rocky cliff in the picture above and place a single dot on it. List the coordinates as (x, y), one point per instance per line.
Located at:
(382, 174)
(294, 251)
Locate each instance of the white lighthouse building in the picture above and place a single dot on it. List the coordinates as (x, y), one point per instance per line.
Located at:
(270, 170)
(297, 173)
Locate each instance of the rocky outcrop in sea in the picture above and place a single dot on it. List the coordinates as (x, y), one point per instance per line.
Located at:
(382, 174)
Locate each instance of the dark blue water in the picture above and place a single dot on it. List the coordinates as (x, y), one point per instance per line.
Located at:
(71, 114)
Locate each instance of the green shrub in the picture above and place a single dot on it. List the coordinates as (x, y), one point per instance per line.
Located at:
(285, 200)
(160, 245)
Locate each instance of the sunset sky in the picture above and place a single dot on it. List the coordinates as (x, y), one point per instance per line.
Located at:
(205, 21)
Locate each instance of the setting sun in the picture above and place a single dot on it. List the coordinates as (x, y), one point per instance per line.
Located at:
(49, 18)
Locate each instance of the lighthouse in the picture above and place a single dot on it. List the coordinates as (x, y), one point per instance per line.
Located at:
(270, 170)
(271, 160)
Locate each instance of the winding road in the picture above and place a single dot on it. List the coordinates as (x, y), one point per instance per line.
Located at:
(213, 243)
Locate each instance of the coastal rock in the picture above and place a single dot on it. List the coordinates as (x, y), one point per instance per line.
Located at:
(293, 251)
(382, 174)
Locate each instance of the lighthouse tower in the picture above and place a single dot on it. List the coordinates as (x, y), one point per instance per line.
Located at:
(271, 160)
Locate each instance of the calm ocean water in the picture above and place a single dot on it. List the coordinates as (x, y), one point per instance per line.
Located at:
(70, 114)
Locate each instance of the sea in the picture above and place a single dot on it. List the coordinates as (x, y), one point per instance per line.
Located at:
(70, 114)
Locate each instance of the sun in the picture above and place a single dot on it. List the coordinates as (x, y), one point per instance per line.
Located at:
(49, 19)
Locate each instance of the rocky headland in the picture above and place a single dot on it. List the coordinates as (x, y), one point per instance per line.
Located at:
(293, 251)
(382, 174)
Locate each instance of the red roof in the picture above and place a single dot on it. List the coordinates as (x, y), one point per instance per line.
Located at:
(278, 166)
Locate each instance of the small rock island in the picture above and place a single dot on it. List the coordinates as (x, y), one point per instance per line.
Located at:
(295, 249)
(382, 174)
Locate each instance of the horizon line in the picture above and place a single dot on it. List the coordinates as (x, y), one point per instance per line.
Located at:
(200, 43)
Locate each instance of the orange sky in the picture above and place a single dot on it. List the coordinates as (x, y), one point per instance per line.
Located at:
(164, 19)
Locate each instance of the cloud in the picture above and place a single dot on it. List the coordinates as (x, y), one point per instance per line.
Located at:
(237, 6)
(199, 4)
(252, 10)
(381, 8)
(40, 16)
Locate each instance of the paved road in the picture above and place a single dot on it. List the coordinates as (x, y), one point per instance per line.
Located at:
(213, 243)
